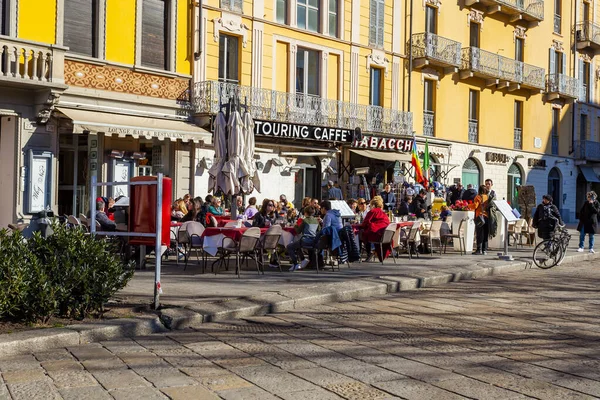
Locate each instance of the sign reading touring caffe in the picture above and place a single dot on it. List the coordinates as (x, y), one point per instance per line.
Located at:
(384, 143)
(296, 131)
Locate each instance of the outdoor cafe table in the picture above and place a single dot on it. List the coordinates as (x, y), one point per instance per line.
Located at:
(213, 237)
(399, 225)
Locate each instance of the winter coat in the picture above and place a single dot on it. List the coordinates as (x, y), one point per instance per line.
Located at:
(418, 205)
(333, 218)
(374, 224)
(260, 220)
(455, 194)
(545, 218)
(588, 217)
(469, 195)
(405, 208)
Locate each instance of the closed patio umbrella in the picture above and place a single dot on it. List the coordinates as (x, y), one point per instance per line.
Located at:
(216, 179)
(232, 169)
(251, 179)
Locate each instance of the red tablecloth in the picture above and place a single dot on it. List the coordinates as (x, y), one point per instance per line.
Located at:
(403, 224)
(223, 221)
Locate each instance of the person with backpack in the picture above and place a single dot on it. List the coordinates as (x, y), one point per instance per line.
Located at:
(588, 220)
(480, 206)
(546, 217)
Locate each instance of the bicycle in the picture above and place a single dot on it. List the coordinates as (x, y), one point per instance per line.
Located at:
(551, 252)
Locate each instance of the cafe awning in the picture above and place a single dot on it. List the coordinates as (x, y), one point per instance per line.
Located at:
(589, 174)
(383, 155)
(137, 127)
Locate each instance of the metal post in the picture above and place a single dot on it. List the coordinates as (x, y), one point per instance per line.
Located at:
(75, 173)
(92, 221)
(157, 250)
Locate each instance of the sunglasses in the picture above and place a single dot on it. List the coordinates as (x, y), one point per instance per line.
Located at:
(270, 205)
(361, 204)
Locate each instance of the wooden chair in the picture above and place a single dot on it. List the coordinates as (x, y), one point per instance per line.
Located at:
(460, 236)
(269, 242)
(516, 231)
(246, 247)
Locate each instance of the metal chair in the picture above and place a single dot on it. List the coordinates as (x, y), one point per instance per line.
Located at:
(408, 243)
(247, 246)
(73, 221)
(460, 236)
(434, 234)
(190, 236)
(386, 238)
(269, 242)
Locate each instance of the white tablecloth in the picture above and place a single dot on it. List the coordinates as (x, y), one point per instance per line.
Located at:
(212, 243)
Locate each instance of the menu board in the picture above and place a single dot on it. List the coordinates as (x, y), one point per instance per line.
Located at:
(121, 174)
(39, 184)
(506, 210)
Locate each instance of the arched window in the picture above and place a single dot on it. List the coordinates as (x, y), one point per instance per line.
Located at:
(471, 173)
(515, 178)
(554, 186)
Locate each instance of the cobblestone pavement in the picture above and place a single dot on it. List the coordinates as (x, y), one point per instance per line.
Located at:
(534, 334)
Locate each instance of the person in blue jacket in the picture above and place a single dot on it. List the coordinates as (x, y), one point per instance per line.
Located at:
(331, 217)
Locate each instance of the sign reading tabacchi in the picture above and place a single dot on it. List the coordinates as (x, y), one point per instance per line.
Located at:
(384, 143)
(296, 131)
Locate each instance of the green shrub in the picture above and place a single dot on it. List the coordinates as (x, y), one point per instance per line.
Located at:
(68, 274)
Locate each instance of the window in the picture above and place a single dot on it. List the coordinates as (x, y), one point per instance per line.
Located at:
(232, 5)
(155, 33)
(308, 14)
(333, 18)
(558, 65)
(4, 17)
(474, 35)
(518, 132)
(431, 19)
(376, 87)
(308, 72)
(557, 15)
(519, 49)
(555, 121)
(586, 11)
(229, 58)
(585, 81)
(583, 125)
(473, 116)
(376, 21)
(80, 26)
(281, 12)
(428, 107)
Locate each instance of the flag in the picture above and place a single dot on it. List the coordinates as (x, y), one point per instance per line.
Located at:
(419, 178)
(426, 160)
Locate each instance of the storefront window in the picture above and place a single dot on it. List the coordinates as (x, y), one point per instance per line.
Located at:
(471, 173)
(514, 181)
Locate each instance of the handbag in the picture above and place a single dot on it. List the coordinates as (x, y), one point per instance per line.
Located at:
(480, 221)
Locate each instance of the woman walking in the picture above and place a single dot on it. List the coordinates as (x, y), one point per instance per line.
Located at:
(588, 220)
(480, 206)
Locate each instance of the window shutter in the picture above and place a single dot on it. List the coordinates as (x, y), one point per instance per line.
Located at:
(380, 21)
(79, 26)
(564, 64)
(580, 77)
(2, 17)
(591, 83)
(551, 66)
(154, 28)
(373, 23)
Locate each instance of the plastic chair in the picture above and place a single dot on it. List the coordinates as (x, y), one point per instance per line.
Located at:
(435, 234)
(269, 242)
(408, 243)
(247, 246)
(460, 236)
(190, 236)
(386, 238)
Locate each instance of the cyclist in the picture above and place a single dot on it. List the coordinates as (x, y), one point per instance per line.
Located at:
(546, 218)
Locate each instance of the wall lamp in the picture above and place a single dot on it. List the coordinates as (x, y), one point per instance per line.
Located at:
(519, 156)
(276, 162)
(260, 165)
(205, 163)
(566, 162)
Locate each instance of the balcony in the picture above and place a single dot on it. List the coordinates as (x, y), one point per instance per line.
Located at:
(518, 139)
(528, 10)
(588, 36)
(560, 86)
(500, 70)
(431, 49)
(428, 123)
(587, 150)
(29, 64)
(297, 108)
(473, 131)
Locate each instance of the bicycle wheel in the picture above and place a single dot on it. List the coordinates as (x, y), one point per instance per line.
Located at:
(547, 254)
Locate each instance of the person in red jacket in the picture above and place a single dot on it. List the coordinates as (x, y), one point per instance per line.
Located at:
(373, 225)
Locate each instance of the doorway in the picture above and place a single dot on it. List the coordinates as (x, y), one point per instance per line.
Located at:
(514, 181)
(72, 175)
(554, 187)
(308, 179)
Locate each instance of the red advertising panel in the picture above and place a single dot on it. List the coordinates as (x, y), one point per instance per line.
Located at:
(142, 210)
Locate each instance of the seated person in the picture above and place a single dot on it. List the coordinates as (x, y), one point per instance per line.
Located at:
(353, 203)
(373, 226)
(179, 210)
(308, 228)
(405, 206)
(445, 213)
(105, 223)
(215, 207)
(287, 205)
(292, 215)
(266, 216)
(197, 213)
(251, 210)
(331, 217)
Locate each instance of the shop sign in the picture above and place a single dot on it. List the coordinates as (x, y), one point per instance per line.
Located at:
(496, 157)
(297, 131)
(536, 163)
(136, 132)
(383, 143)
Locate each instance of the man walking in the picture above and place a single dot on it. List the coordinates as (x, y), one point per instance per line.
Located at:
(335, 193)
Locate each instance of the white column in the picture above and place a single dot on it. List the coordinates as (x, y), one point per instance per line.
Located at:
(397, 41)
(396, 67)
(354, 72)
(257, 54)
(292, 63)
(292, 13)
(172, 36)
(324, 75)
(13, 22)
(101, 33)
(356, 21)
(138, 33)
(60, 22)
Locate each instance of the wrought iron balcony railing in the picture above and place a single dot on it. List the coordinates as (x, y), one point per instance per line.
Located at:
(518, 139)
(31, 63)
(587, 150)
(436, 48)
(428, 123)
(557, 23)
(473, 131)
(587, 33)
(529, 10)
(563, 85)
(302, 109)
(496, 66)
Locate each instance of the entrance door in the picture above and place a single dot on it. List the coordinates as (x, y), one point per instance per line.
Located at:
(470, 173)
(8, 174)
(514, 181)
(554, 183)
(72, 175)
(308, 179)
(580, 192)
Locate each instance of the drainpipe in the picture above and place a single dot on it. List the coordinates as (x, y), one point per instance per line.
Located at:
(574, 38)
(410, 54)
(198, 53)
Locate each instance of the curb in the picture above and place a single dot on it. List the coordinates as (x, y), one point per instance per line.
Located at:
(180, 318)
